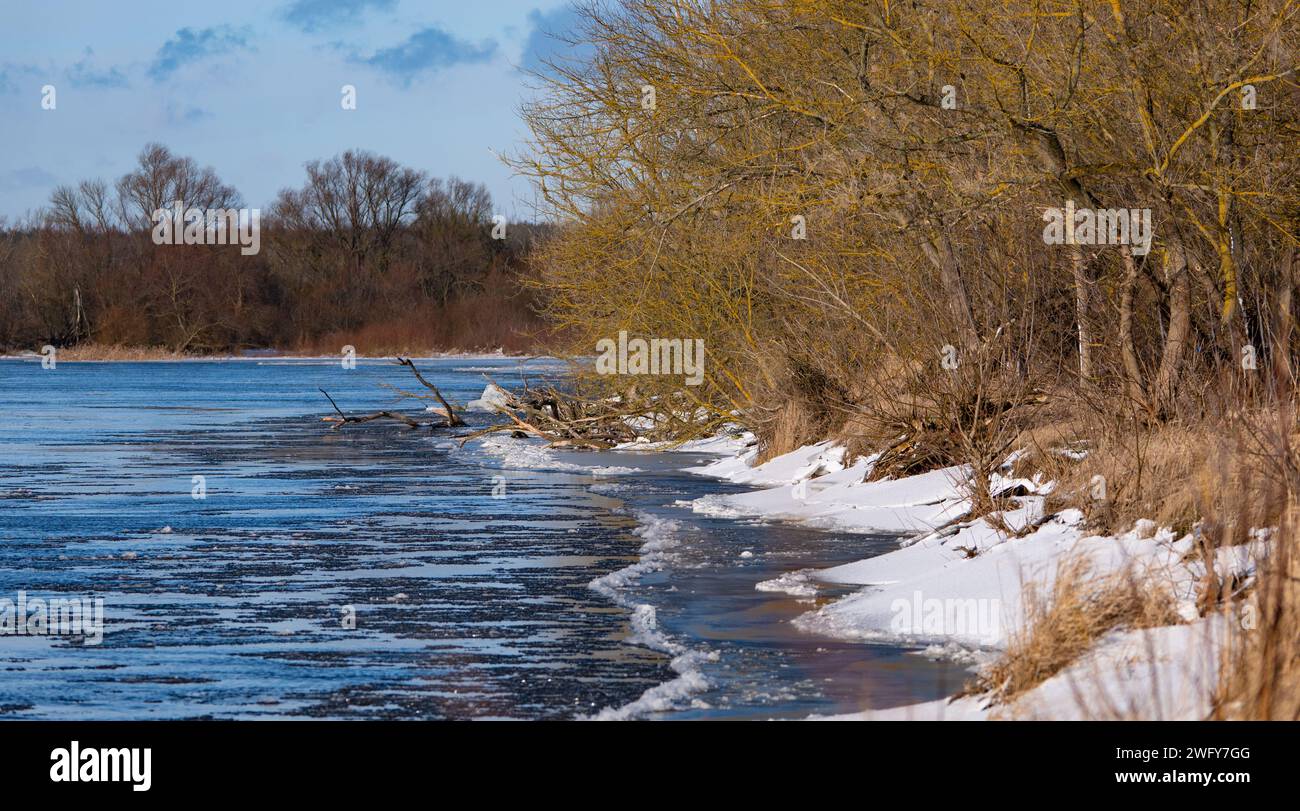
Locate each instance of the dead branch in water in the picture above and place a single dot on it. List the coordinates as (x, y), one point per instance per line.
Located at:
(453, 420)
(447, 412)
(343, 419)
(561, 418)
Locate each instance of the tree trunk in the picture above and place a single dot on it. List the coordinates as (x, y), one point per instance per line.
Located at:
(1132, 371)
(1180, 320)
(940, 254)
(1285, 324)
(1080, 268)
(937, 249)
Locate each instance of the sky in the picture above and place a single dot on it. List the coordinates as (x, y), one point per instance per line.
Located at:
(253, 88)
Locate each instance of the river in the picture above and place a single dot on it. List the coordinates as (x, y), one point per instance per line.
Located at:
(254, 563)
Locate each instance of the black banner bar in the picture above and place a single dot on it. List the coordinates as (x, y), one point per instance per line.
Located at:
(337, 759)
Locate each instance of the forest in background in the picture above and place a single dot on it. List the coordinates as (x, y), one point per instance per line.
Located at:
(365, 253)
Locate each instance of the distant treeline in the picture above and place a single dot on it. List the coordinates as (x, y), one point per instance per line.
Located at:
(367, 253)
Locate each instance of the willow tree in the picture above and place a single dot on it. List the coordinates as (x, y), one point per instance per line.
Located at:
(825, 188)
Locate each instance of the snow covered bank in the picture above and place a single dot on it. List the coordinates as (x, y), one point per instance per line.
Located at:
(964, 584)
(956, 586)
(732, 445)
(1161, 674)
(813, 486)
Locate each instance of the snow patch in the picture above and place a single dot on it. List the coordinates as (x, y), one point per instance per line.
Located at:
(797, 584)
(492, 398)
(527, 454)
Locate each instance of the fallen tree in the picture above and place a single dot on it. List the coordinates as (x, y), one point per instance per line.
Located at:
(452, 419)
(563, 420)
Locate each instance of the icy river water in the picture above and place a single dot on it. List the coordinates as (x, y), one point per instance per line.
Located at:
(379, 572)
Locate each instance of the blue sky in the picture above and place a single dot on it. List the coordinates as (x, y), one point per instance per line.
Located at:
(252, 88)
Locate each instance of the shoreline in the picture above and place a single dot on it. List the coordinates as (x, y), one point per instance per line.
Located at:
(999, 564)
(1168, 671)
(671, 542)
(126, 355)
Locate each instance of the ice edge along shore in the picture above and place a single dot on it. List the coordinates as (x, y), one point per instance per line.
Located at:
(1167, 672)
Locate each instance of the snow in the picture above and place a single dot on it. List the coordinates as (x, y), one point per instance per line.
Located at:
(730, 443)
(492, 398)
(787, 469)
(1165, 674)
(940, 567)
(962, 584)
(1168, 674)
(838, 498)
(948, 558)
(956, 585)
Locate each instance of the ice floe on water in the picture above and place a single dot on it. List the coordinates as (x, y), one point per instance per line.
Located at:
(798, 583)
(686, 663)
(660, 536)
(492, 398)
(524, 454)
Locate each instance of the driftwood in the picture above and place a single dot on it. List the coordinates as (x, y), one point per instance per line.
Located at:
(452, 418)
(343, 419)
(558, 434)
(561, 418)
(566, 420)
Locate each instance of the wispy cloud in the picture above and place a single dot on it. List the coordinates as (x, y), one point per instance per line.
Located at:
(85, 74)
(82, 73)
(27, 177)
(428, 50)
(13, 76)
(191, 46)
(547, 39)
(313, 15)
(180, 114)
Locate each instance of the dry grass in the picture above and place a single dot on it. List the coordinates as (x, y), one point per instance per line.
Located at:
(483, 323)
(1125, 469)
(111, 352)
(787, 431)
(1260, 675)
(1067, 623)
(1220, 479)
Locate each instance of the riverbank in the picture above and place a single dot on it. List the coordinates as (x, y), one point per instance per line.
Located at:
(102, 353)
(982, 590)
(693, 594)
(1061, 620)
(822, 593)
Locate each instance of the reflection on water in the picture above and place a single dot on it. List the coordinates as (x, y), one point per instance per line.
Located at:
(465, 605)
